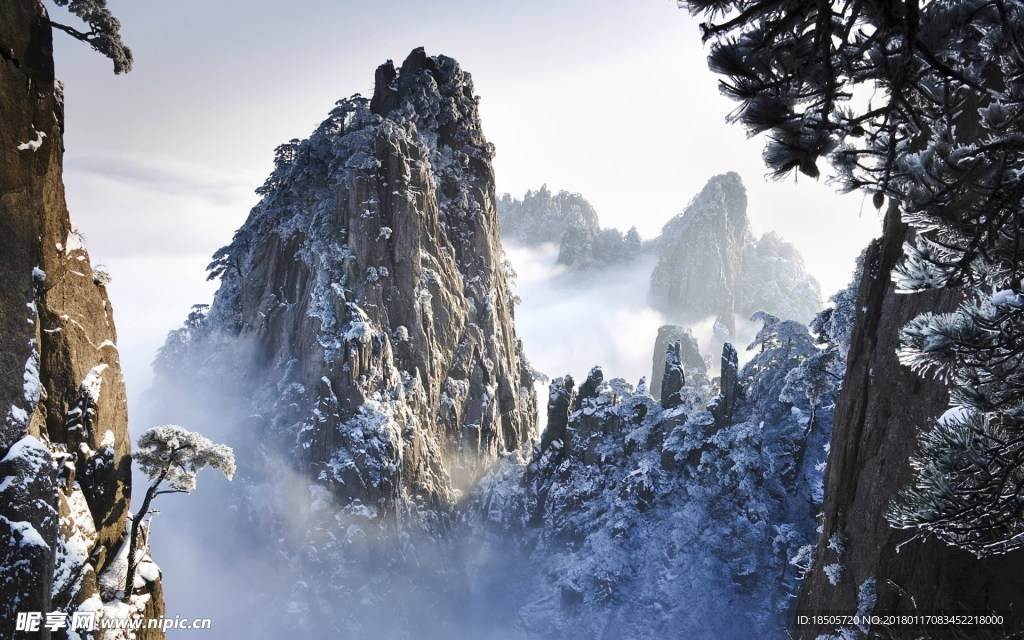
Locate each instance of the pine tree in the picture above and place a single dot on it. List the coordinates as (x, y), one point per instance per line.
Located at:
(171, 456)
(922, 103)
(104, 34)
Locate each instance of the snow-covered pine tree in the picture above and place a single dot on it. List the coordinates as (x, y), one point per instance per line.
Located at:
(104, 34)
(943, 136)
(171, 456)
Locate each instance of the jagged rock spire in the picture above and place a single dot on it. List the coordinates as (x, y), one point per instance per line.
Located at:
(560, 398)
(368, 282)
(723, 406)
(673, 379)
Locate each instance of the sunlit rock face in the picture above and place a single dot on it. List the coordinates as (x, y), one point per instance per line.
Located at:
(361, 349)
(64, 444)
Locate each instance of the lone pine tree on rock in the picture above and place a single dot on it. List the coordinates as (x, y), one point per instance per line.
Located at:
(171, 456)
(104, 34)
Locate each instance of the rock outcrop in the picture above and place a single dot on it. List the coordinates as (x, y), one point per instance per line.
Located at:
(861, 563)
(709, 264)
(694, 366)
(633, 516)
(673, 379)
(64, 444)
(362, 352)
(724, 405)
(368, 286)
(700, 261)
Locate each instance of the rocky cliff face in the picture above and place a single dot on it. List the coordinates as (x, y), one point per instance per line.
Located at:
(876, 568)
(694, 366)
(709, 264)
(701, 258)
(64, 444)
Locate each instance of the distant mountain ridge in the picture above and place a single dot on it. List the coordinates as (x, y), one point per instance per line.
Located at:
(708, 262)
(568, 220)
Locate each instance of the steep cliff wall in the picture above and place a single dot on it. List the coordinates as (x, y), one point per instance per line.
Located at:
(64, 441)
(361, 358)
(701, 258)
(879, 411)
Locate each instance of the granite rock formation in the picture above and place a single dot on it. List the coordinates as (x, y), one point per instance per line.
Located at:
(640, 519)
(694, 366)
(368, 282)
(701, 258)
(64, 444)
(361, 346)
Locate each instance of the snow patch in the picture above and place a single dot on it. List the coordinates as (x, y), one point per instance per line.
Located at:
(31, 390)
(955, 415)
(94, 382)
(33, 145)
(837, 543)
(74, 240)
(148, 571)
(834, 572)
(1007, 298)
(29, 536)
(72, 556)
